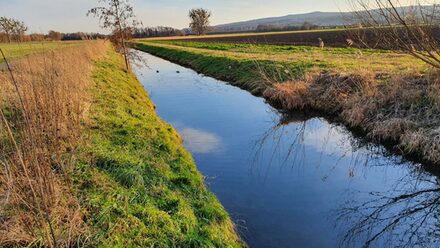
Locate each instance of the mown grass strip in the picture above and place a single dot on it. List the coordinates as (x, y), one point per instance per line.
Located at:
(139, 186)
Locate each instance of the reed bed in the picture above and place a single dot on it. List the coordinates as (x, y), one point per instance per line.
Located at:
(43, 102)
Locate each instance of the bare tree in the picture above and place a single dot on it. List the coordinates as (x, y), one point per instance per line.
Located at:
(393, 25)
(199, 20)
(14, 29)
(118, 16)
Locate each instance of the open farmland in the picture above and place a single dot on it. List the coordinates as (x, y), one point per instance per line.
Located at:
(331, 38)
(17, 50)
(336, 59)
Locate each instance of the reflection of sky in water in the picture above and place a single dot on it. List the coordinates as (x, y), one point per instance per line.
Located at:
(200, 142)
(283, 177)
(327, 138)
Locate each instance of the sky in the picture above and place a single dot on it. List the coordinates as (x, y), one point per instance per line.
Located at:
(70, 15)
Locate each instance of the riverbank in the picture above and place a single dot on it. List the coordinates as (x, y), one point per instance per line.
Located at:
(391, 98)
(102, 169)
(142, 187)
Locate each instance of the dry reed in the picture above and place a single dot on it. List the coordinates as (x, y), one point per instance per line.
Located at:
(399, 109)
(42, 104)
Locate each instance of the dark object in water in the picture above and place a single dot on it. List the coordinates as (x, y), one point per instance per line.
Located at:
(177, 71)
(157, 71)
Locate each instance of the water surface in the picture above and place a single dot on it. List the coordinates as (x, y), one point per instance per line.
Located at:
(289, 180)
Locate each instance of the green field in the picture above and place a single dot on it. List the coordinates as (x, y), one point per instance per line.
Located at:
(17, 50)
(338, 59)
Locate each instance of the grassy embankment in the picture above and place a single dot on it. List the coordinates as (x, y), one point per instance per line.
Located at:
(391, 97)
(114, 176)
(143, 188)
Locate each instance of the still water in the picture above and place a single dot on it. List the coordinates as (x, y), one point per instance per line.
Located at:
(290, 180)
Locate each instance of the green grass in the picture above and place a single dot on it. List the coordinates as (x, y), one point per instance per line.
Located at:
(348, 60)
(17, 50)
(142, 188)
(261, 48)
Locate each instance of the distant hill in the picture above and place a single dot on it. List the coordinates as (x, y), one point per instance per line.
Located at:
(323, 19)
(317, 18)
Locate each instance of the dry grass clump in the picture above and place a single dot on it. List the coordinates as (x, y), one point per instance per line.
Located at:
(41, 109)
(399, 109)
(331, 91)
(322, 91)
(289, 95)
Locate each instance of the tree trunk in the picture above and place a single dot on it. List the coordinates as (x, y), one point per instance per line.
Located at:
(125, 53)
(121, 32)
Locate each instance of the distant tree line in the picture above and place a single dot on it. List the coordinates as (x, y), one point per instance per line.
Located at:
(159, 31)
(13, 30)
(50, 36)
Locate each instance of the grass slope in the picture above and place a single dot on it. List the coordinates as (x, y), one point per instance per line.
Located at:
(140, 187)
(240, 71)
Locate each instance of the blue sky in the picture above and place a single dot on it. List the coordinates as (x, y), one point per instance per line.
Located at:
(69, 15)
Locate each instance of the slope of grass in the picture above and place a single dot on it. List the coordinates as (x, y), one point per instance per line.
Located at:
(241, 71)
(140, 187)
(17, 50)
(337, 59)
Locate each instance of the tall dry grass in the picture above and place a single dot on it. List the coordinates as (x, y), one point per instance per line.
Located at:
(43, 100)
(400, 109)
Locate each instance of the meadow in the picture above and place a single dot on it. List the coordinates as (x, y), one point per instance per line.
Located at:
(17, 50)
(338, 37)
(331, 58)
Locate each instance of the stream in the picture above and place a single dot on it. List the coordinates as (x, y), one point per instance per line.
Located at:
(293, 180)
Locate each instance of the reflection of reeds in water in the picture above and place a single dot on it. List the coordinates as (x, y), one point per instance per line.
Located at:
(407, 216)
(42, 104)
(287, 140)
(397, 109)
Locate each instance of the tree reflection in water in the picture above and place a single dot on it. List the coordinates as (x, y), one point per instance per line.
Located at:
(407, 215)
